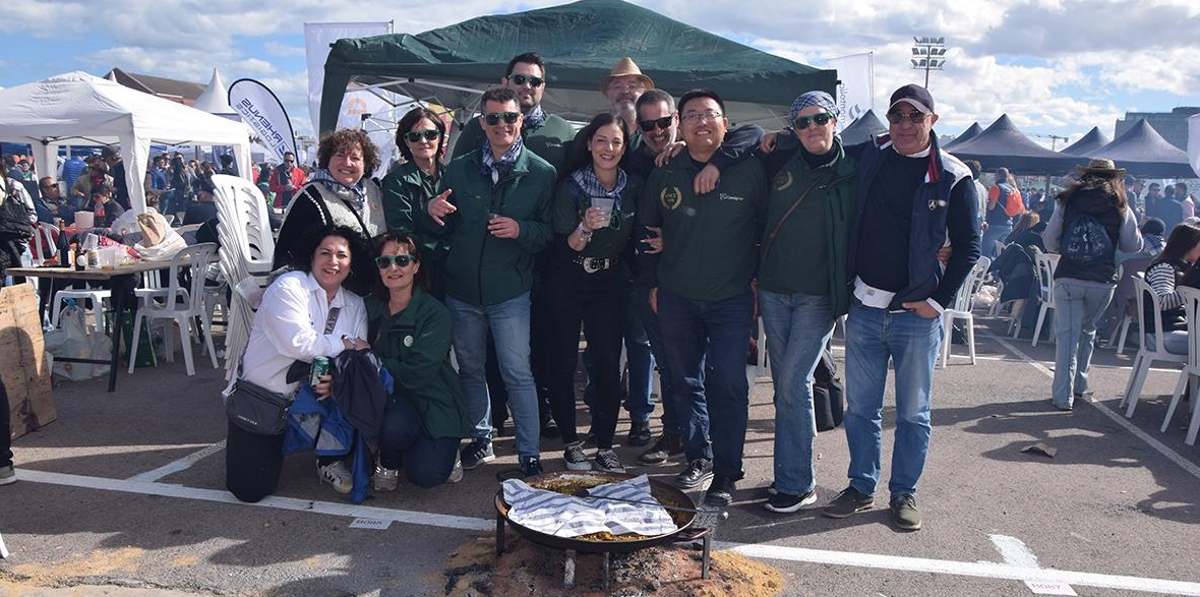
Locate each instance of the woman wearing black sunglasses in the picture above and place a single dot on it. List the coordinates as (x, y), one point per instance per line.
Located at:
(425, 417)
(421, 138)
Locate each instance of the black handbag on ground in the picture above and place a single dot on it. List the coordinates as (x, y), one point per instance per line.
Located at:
(256, 409)
(828, 394)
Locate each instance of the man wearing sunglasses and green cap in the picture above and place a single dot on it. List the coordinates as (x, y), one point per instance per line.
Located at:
(545, 134)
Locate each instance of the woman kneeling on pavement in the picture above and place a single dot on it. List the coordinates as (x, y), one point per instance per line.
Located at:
(304, 314)
(585, 284)
(425, 417)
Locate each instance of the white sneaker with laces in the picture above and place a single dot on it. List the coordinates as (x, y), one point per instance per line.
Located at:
(337, 475)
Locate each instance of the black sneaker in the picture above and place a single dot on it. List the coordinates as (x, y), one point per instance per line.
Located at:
(575, 459)
(531, 466)
(905, 513)
(668, 445)
(478, 452)
(848, 503)
(550, 429)
(639, 433)
(786, 502)
(720, 493)
(697, 473)
(607, 461)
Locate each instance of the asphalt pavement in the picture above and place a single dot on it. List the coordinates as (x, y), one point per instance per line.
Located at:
(123, 496)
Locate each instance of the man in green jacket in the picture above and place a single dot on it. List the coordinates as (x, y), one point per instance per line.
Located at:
(700, 288)
(544, 134)
(494, 210)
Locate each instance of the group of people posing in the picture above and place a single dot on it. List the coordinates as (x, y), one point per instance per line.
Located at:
(532, 231)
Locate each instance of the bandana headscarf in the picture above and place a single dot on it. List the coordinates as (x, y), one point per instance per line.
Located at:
(812, 98)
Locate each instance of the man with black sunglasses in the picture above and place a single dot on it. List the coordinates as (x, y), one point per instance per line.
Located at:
(542, 133)
(494, 212)
(913, 198)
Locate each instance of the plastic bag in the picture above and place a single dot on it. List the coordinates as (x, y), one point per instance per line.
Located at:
(74, 341)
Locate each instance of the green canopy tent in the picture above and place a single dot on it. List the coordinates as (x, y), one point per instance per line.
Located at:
(580, 42)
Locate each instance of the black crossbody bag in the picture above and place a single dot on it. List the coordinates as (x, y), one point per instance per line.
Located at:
(258, 410)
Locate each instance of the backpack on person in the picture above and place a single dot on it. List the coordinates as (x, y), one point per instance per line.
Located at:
(1014, 205)
(1086, 241)
(14, 219)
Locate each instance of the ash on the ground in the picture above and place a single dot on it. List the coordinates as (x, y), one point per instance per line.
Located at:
(526, 568)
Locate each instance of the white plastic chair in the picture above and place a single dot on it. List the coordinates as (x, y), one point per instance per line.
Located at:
(1043, 267)
(1191, 368)
(1150, 351)
(964, 302)
(44, 236)
(183, 305)
(100, 298)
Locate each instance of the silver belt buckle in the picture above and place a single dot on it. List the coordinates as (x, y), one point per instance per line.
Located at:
(592, 265)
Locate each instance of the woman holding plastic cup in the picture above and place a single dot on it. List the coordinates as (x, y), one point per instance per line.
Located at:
(585, 283)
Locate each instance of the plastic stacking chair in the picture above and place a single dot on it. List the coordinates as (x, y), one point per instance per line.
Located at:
(1043, 266)
(184, 305)
(964, 302)
(1191, 368)
(1150, 351)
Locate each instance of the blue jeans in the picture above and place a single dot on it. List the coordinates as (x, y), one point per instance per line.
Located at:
(706, 345)
(640, 360)
(509, 324)
(427, 461)
(1077, 308)
(995, 233)
(911, 341)
(798, 328)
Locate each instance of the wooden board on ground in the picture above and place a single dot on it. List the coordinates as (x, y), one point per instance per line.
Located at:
(23, 364)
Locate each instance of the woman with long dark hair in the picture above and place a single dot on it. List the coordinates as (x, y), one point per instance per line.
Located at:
(1165, 275)
(1092, 221)
(584, 283)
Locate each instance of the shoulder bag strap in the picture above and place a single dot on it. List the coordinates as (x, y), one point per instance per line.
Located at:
(771, 237)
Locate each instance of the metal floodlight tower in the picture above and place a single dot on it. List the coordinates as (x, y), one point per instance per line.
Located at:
(928, 53)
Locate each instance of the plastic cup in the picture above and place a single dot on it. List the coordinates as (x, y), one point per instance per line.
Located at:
(84, 219)
(605, 205)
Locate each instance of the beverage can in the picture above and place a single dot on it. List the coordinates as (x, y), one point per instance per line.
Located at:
(93, 258)
(320, 368)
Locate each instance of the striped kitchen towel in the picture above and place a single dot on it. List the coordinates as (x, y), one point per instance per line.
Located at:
(569, 516)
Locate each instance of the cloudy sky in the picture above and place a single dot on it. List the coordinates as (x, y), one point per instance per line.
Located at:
(1056, 67)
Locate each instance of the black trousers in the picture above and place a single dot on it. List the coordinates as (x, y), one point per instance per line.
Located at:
(597, 301)
(5, 428)
(253, 463)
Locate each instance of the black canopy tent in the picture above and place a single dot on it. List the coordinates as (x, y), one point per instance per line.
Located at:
(580, 43)
(863, 129)
(1003, 145)
(1143, 152)
(1093, 140)
(971, 132)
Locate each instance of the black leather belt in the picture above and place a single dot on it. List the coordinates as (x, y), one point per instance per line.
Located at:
(592, 265)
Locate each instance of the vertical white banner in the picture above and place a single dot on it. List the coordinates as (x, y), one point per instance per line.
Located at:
(317, 39)
(856, 86)
(258, 107)
(1193, 145)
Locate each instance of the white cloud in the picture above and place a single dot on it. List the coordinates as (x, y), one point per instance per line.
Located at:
(277, 49)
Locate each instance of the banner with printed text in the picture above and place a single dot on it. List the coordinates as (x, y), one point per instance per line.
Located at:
(856, 86)
(261, 109)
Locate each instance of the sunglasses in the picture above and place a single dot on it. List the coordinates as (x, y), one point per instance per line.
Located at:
(520, 80)
(427, 134)
(387, 261)
(821, 119)
(494, 118)
(913, 117)
(663, 123)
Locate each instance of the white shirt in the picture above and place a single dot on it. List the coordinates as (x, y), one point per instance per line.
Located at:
(288, 327)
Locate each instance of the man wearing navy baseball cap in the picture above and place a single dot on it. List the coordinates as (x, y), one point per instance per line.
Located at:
(913, 198)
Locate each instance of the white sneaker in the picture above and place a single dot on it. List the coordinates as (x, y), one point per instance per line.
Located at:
(456, 473)
(336, 475)
(8, 475)
(385, 479)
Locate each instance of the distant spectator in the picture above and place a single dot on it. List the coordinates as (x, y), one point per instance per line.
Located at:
(106, 209)
(1165, 275)
(286, 180)
(72, 169)
(205, 208)
(116, 169)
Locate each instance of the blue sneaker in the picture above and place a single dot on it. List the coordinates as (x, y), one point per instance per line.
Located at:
(478, 452)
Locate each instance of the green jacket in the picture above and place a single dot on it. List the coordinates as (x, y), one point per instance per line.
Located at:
(414, 345)
(481, 269)
(710, 242)
(812, 240)
(550, 142)
(406, 192)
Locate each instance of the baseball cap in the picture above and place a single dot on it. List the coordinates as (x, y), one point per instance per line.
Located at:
(915, 95)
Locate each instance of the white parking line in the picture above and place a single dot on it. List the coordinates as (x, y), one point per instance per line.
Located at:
(1118, 418)
(179, 465)
(1016, 553)
(774, 552)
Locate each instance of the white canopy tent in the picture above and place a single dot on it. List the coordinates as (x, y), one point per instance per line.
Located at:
(80, 109)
